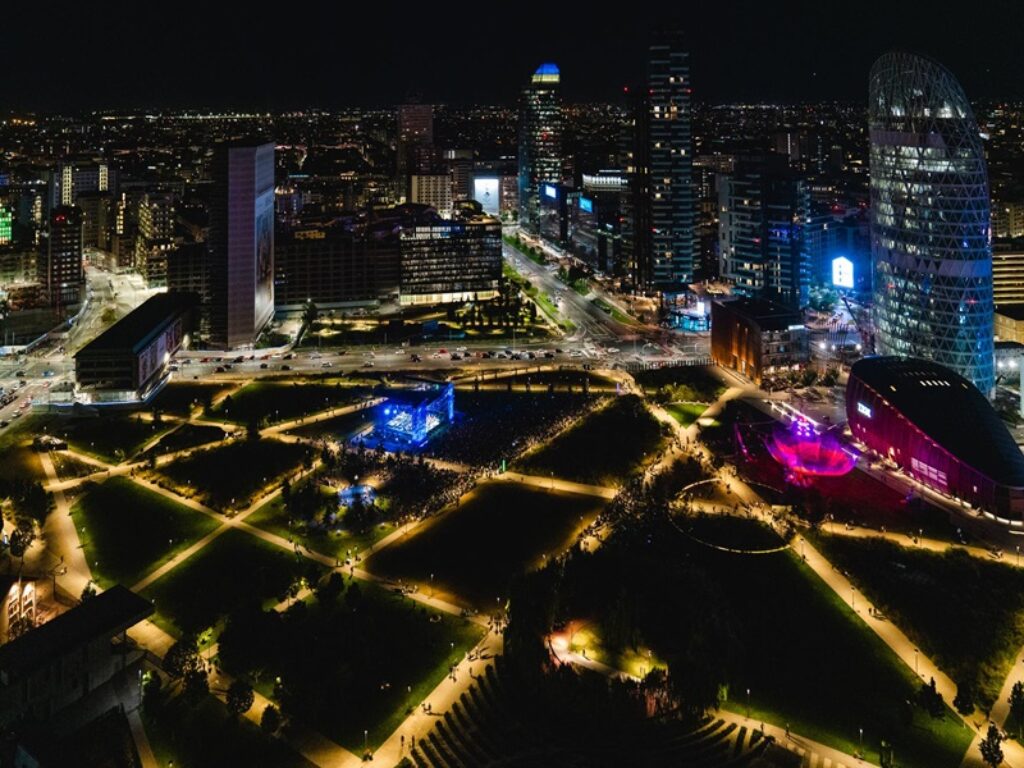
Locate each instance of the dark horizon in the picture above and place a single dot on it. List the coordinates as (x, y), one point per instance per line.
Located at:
(128, 56)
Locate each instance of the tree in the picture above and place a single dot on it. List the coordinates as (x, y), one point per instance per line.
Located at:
(240, 698)
(964, 700)
(196, 686)
(992, 747)
(88, 592)
(329, 589)
(1017, 704)
(310, 314)
(182, 657)
(271, 720)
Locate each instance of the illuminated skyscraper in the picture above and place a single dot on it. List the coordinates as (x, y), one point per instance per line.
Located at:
(660, 229)
(672, 201)
(540, 141)
(930, 219)
(241, 255)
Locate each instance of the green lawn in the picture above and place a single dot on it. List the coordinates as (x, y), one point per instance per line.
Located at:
(68, 466)
(234, 568)
(229, 475)
(368, 658)
(605, 448)
(965, 613)
(180, 397)
(188, 436)
(127, 530)
(810, 661)
(685, 413)
(685, 382)
(475, 551)
(278, 401)
(338, 428)
(338, 543)
(108, 438)
(207, 736)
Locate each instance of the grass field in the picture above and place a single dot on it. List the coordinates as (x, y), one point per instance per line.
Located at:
(278, 401)
(273, 518)
(476, 550)
(686, 382)
(181, 397)
(188, 436)
(337, 428)
(923, 591)
(108, 438)
(207, 736)
(685, 413)
(233, 568)
(18, 460)
(228, 476)
(368, 658)
(811, 663)
(127, 530)
(609, 445)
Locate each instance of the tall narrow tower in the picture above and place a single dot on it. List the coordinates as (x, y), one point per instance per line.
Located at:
(930, 222)
(540, 141)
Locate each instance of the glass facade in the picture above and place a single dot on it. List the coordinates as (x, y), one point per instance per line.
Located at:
(540, 141)
(930, 224)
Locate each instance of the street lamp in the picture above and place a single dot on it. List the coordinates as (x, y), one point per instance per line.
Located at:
(748, 703)
(915, 662)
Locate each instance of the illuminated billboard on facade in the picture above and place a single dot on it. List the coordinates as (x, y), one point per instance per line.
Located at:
(842, 272)
(487, 192)
(550, 190)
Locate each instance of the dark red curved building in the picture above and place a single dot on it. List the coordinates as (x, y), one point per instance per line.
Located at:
(939, 428)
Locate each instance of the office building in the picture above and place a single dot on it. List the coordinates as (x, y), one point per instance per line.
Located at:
(66, 660)
(451, 261)
(130, 360)
(1007, 272)
(757, 338)
(415, 132)
(553, 214)
(930, 220)
(763, 209)
(240, 288)
(97, 219)
(77, 175)
(60, 268)
(540, 141)
(901, 409)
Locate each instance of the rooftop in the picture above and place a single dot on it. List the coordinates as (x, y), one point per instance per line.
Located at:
(104, 615)
(767, 314)
(547, 73)
(950, 410)
(138, 327)
(1012, 311)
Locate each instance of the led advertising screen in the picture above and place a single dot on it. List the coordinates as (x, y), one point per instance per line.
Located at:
(842, 272)
(487, 192)
(551, 191)
(586, 205)
(264, 255)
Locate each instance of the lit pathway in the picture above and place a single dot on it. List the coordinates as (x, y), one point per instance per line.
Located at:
(557, 484)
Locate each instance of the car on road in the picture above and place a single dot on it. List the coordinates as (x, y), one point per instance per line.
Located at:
(416, 358)
(263, 365)
(219, 369)
(286, 367)
(368, 364)
(20, 374)
(289, 356)
(328, 364)
(47, 373)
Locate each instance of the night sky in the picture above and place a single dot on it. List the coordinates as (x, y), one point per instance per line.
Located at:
(331, 54)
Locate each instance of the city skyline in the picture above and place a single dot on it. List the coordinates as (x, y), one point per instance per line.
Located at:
(797, 52)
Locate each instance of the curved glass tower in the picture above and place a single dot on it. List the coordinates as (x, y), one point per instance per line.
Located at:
(930, 239)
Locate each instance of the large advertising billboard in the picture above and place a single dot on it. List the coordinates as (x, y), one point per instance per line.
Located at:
(842, 272)
(264, 256)
(487, 192)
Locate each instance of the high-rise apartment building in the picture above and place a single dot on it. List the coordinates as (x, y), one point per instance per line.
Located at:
(763, 210)
(660, 236)
(60, 268)
(540, 141)
(671, 193)
(433, 189)
(930, 219)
